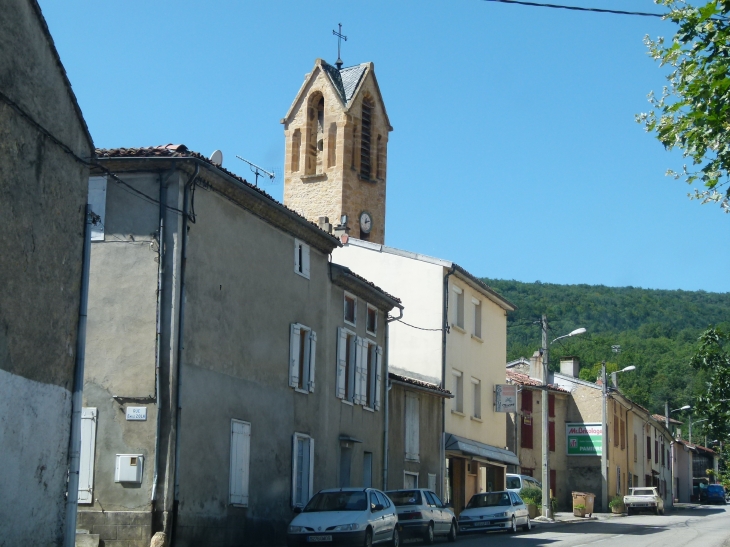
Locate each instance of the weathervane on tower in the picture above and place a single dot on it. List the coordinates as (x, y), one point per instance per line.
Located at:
(340, 37)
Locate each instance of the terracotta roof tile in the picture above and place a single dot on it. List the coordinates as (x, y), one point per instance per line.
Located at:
(525, 380)
(419, 383)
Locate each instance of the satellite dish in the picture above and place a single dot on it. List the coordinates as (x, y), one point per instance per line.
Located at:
(216, 158)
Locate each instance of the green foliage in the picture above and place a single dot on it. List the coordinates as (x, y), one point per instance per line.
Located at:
(617, 501)
(531, 495)
(693, 111)
(657, 330)
(713, 359)
(579, 507)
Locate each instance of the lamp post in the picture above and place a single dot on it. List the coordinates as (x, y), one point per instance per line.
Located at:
(667, 412)
(690, 426)
(547, 509)
(604, 433)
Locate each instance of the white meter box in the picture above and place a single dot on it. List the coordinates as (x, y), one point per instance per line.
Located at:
(129, 468)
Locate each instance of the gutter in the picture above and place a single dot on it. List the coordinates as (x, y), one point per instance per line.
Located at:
(74, 449)
(388, 320)
(444, 331)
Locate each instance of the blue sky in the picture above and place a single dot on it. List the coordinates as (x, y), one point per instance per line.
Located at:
(514, 152)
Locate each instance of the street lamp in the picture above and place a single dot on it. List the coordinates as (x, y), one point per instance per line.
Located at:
(690, 426)
(667, 412)
(547, 509)
(604, 432)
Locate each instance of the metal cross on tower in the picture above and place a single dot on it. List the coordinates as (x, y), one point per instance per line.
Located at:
(340, 37)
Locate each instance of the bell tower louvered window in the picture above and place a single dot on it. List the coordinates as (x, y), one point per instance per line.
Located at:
(365, 138)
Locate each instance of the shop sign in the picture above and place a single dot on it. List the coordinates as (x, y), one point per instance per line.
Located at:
(506, 398)
(583, 439)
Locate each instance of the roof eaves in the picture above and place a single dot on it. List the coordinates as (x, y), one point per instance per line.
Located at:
(346, 278)
(420, 385)
(484, 288)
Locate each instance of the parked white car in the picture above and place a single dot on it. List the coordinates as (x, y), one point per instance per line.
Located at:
(495, 511)
(422, 514)
(644, 499)
(345, 516)
(515, 483)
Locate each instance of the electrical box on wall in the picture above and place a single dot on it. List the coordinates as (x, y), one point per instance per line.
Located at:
(129, 468)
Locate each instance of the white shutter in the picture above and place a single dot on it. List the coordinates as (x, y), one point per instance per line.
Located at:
(240, 457)
(312, 353)
(86, 465)
(378, 375)
(310, 471)
(360, 378)
(341, 362)
(305, 260)
(412, 426)
(297, 244)
(97, 200)
(294, 341)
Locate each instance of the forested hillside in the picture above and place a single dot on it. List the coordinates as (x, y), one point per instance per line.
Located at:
(656, 329)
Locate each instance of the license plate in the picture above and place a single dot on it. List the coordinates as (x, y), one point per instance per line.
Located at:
(482, 523)
(319, 538)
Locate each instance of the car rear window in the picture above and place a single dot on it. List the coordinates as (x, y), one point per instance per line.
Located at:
(513, 482)
(406, 497)
(715, 488)
(642, 492)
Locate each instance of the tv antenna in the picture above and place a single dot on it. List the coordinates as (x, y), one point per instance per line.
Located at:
(256, 170)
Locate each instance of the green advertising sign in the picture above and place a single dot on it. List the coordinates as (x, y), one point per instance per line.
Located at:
(583, 439)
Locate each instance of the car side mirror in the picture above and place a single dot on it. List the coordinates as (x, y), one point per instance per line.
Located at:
(379, 507)
(449, 505)
(297, 509)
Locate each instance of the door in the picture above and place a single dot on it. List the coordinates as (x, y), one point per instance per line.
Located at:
(389, 516)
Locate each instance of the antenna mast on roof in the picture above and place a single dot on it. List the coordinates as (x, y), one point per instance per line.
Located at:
(256, 170)
(340, 37)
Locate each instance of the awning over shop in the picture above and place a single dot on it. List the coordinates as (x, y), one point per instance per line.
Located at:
(475, 448)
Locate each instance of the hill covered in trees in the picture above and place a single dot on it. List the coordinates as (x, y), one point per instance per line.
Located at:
(656, 329)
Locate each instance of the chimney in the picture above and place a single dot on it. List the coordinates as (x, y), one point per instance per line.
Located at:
(324, 224)
(536, 366)
(570, 366)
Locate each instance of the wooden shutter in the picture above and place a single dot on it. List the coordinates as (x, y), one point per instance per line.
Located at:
(551, 436)
(86, 464)
(412, 426)
(240, 457)
(378, 375)
(297, 247)
(526, 400)
(526, 433)
(341, 363)
(553, 483)
(312, 354)
(656, 451)
(294, 334)
(623, 434)
(361, 361)
(648, 448)
(551, 405)
(615, 430)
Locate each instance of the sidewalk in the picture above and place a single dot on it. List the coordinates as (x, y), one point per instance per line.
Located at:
(569, 518)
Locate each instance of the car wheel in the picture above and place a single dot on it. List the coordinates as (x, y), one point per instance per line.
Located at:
(452, 532)
(395, 542)
(513, 529)
(629, 511)
(527, 527)
(368, 538)
(428, 538)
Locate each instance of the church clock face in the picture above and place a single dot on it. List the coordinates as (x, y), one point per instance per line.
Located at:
(366, 222)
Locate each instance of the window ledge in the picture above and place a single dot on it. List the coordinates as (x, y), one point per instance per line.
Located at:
(368, 408)
(416, 460)
(457, 413)
(314, 178)
(301, 274)
(365, 179)
(346, 402)
(477, 338)
(302, 391)
(475, 419)
(457, 328)
(351, 324)
(370, 333)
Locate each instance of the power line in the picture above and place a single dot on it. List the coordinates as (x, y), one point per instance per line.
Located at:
(576, 8)
(419, 328)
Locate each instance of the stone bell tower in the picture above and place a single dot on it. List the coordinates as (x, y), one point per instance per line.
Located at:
(336, 135)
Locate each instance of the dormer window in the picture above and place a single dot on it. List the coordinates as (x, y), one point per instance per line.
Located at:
(367, 114)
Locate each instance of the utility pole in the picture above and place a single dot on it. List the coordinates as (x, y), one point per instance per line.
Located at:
(604, 441)
(547, 510)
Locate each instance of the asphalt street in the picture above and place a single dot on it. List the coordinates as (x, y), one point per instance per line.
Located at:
(705, 526)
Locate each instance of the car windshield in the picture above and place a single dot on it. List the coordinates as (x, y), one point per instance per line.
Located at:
(337, 501)
(492, 499)
(406, 497)
(513, 482)
(642, 492)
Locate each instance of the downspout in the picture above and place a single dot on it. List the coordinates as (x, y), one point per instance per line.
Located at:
(74, 449)
(158, 341)
(181, 318)
(444, 332)
(388, 320)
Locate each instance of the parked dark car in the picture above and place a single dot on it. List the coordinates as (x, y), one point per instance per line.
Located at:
(716, 494)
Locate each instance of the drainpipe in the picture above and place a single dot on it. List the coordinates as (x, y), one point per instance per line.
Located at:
(387, 395)
(158, 341)
(181, 318)
(74, 449)
(444, 331)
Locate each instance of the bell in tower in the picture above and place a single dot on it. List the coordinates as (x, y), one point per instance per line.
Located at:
(336, 135)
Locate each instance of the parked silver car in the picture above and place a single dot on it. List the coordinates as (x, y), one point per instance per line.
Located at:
(494, 511)
(422, 514)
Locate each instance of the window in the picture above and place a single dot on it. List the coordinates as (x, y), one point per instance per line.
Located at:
(663, 462)
(359, 370)
(302, 351)
(410, 480)
(477, 386)
(332, 145)
(526, 401)
(551, 436)
(648, 448)
(345, 465)
(315, 134)
(367, 115)
(302, 469)
(372, 372)
(301, 258)
(553, 483)
(240, 456)
(458, 391)
(296, 149)
(551, 405)
(526, 440)
(458, 306)
(86, 463)
(477, 318)
(412, 426)
(372, 322)
(636, 448)
(529, 471)
(367, 469)
(346, 363)
(350, 309)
